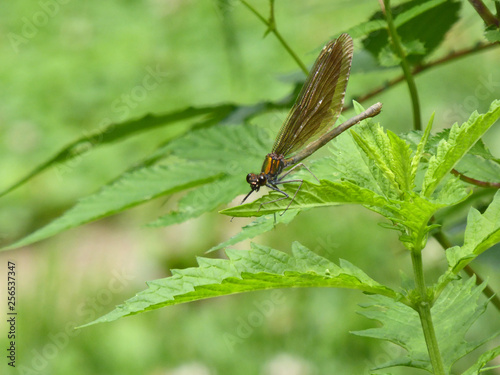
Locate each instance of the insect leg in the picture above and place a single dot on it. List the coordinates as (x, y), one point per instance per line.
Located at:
(296, 166)
(276, 200)
(296, 191)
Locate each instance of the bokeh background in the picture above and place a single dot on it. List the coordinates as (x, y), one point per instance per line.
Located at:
(77, 71)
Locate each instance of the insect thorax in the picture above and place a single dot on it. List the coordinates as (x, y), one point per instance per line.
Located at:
(273, 165)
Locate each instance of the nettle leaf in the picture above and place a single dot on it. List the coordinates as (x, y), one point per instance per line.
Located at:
(492, 36)
(479, 148)
(388, 57)
(226, 113)
(401, 161)
(421, 25)
(366, 28)
(119, 131)
(258, 269)
(261, 225)
(376, 145)
(459, 142)
(456, 309)
(478, 367)
(371, 168)
(420, 147)
(414, 47)
(390, 154)
(236, 150)
(217, 155)
(452, 192)
(348, 162)
(205, 198)
(413, 214)
(477, 164)
(478, 168)
(130, 190)
(239, 148)
(310, 195)
(481, 233)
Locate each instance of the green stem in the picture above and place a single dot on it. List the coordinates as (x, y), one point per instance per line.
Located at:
(291, 52)
(422, 68)
(423, 308)
(417, 123)
(271, 27)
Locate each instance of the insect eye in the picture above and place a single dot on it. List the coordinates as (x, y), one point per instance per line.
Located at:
(249, 177)
(262, 179)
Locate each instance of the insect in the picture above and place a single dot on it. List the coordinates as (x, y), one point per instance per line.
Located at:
(308, 125)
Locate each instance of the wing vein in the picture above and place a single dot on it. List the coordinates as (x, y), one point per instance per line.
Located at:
(321, 99)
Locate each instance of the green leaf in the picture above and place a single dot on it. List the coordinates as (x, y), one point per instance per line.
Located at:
(420, 149)
(116, 132)
(310, 195)
(259, 226)
(226, 113)
(413, 215)
(401, 161)
(390, 154)
(480, 169)
(492, 36)
(359, 173)
(216, 155)
(206, 198)
(388, 57)
(366, 28)
(130, 190)
(258, 269)
(479, 148)
(478, 163)
(376, 145)
(413, 138)
(459, 142)
(235, 150)
(476, 368)
(481, 233)
(454, 312)
(414, 47)
(421, 25)
(348, 162)
(452, 192)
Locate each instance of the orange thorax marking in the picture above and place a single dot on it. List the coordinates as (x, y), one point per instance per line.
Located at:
(273, 164)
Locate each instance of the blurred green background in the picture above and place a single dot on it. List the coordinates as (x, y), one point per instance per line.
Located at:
(74, 73)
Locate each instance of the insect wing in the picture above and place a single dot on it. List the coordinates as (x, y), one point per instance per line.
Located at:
(321, 99)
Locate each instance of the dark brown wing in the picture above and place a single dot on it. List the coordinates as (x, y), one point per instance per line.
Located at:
(321, 99)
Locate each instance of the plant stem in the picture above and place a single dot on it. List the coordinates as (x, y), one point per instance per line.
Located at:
(423, 308)
(483, 11)
(271, 27)
(421, 68)
(473, 181)
(417, 123)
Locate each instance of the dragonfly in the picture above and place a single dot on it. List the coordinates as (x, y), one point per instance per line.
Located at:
(308, 126)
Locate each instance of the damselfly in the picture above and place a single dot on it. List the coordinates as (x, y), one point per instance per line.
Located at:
(308, 126)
